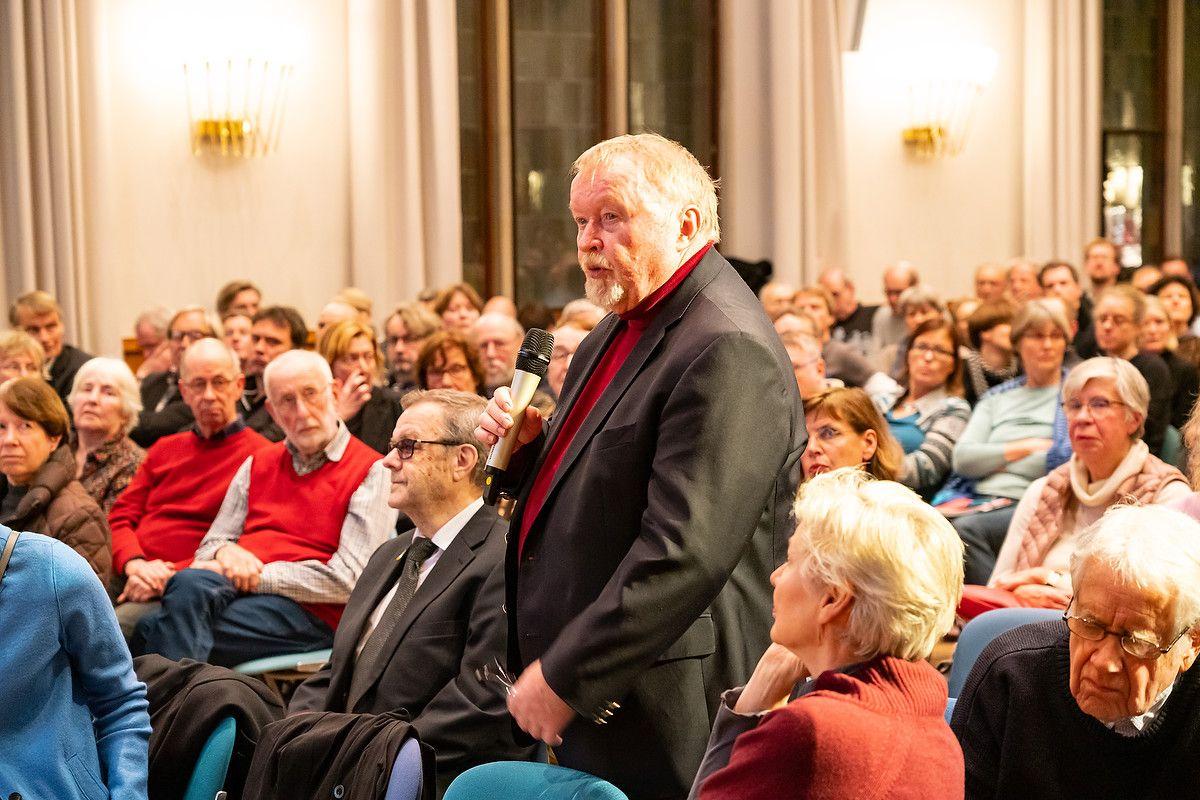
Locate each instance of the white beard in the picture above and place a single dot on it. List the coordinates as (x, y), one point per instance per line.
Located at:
(607, 294)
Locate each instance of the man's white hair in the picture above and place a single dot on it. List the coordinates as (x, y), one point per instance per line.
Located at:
(1151, 548)
(899, 558)
(296, 361)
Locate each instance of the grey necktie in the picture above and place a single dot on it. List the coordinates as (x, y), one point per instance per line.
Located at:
(416, 555)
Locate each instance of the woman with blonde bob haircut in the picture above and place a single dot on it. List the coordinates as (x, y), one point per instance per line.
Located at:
(871, 582)
(20, 355)
(368, 408)
(846, 430)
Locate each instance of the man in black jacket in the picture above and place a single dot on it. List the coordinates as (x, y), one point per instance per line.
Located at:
(38, 314)
(653, 508)
(427, 610)
(163, 410)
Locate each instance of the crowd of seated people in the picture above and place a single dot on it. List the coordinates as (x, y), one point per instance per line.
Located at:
(237, 496)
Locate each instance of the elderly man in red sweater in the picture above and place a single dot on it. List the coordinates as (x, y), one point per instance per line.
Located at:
(296, 527)
(158, 521)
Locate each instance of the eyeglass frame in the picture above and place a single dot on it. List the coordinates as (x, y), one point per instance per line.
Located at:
(400, 445)
(1093, 405)
(1121, 637)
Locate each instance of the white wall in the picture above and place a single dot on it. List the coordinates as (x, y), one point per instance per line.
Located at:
(946, 215)
(167, 228)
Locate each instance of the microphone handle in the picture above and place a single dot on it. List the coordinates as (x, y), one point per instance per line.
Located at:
(524, 384)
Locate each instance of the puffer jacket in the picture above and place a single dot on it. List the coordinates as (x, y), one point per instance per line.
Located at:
(58, 506)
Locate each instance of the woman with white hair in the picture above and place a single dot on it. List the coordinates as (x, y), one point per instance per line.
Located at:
(1105, 702)
(870, 585)
(1105, 400)
(105, 404)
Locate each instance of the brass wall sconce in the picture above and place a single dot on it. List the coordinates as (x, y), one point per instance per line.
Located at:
(942, 89)
(236, 106)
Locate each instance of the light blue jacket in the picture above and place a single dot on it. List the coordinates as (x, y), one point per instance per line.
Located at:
(73, 715)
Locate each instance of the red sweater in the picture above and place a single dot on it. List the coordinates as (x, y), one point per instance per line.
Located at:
(878, 731)
(292, 517)
(175, 495)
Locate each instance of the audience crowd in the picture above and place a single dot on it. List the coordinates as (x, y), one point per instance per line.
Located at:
(245, 486)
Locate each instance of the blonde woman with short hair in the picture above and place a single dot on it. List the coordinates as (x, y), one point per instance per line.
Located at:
(872, 578)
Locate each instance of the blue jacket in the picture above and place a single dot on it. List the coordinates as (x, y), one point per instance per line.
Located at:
(73, 715)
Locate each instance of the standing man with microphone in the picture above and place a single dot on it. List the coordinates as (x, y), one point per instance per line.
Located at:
(652, 509)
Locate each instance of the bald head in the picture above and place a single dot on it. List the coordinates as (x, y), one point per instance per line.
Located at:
(776, 297)
(498, 337)
(211, 383)
(845, 299)
(209, 351)
(334, 312)
(896, 278)
(990, 282)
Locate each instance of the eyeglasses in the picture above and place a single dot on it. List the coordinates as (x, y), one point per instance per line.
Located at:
(1097, 406)
(406, 447)
(191, 336)
(923, 349)
(1137, 647)
(453, 370)
(219, 384)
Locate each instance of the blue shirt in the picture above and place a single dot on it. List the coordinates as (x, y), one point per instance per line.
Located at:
(906, 431)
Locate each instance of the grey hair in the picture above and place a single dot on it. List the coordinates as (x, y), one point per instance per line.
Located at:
(1151, 548)
(801, 341)
(211, 343)
(296, 359)
(1125, 292)
(1131, 387)
(460, 415)
(920, 296)
(122, 378)
(901, 560)
(158, 318)
(1034, 314)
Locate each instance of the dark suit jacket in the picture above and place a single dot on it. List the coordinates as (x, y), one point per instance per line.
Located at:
(454, 624)
(62, 372)
(644, 579)
(174, 417)
(259, 420)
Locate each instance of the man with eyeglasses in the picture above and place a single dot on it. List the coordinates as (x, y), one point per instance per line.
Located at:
(404, 332)
(163, 409)
(1104, 702)
(298, 522)
(1117, 321)
(158, 521)
(427, 610)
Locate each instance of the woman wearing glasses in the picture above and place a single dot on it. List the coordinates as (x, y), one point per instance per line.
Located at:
(1107, 704)
(1105, 401)
(928, 416)
(1015, 435)
(448, 361)
(845, 430)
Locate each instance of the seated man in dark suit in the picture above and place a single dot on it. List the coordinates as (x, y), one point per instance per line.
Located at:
(427, 610)
(38, 314)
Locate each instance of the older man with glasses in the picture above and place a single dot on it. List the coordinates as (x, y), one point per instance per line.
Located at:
(164, 411)
(1106, 702)
(164, 512)
(427, 610)
(298, 523)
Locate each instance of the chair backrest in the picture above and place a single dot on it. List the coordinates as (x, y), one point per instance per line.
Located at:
(950, 702)
(1172, 448)
(286, 663)
(208, 776)
(519, 780)
(977, 633)
(405, 781)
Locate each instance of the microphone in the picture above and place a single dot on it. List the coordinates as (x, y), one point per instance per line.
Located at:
(532, 360)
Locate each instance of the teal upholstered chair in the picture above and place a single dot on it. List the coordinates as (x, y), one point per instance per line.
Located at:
(284, 673)
(520, 780)
(208, 776)
(979, 632)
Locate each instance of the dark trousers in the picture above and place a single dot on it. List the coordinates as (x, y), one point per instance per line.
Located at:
(204, 618)
(983, 534)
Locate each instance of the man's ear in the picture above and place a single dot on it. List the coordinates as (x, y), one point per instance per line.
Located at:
(271, 411)
(466, 459)
(689, 225)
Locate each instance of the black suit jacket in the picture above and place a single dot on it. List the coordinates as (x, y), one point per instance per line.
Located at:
(174, 417)
(62, 371)
(454, 624)
(644, 580)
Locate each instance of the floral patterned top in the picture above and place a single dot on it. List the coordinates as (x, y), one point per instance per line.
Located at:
(109, 469)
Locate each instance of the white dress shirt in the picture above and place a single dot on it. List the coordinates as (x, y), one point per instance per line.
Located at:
(441, 539)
